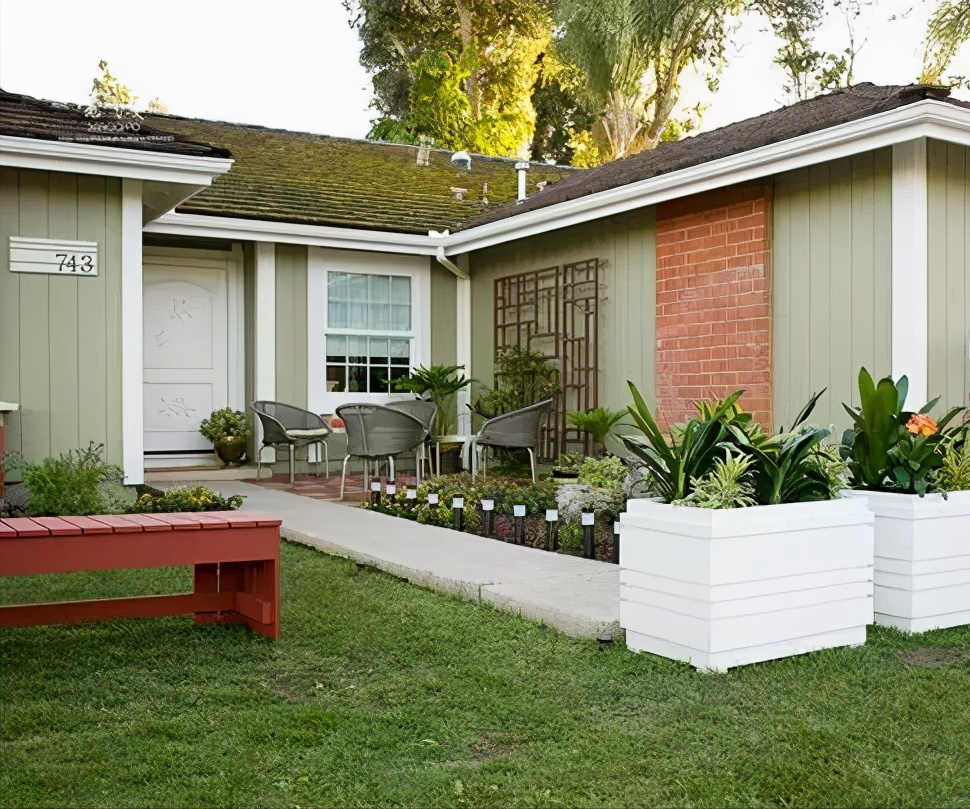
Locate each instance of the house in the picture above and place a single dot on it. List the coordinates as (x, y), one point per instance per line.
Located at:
(778, 254)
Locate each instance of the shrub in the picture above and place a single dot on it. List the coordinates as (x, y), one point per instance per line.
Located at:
(183, 498)
(78, 482)
(225, 423)
(954, 472)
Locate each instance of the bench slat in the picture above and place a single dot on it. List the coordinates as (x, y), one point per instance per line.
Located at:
(26, 527)
(149, 522)
(57, 526)
(118, 524)
(89, 525)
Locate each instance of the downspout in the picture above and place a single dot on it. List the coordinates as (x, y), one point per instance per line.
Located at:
(463, 330)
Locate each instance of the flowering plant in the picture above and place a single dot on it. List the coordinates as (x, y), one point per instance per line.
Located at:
(889, 448)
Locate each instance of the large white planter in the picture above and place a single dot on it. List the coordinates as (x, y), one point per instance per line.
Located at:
(922, 559)
(724, 588)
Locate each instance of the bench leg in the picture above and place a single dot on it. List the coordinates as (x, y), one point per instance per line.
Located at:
(255, 595)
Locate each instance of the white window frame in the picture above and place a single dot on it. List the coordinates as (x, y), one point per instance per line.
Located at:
(321, 261)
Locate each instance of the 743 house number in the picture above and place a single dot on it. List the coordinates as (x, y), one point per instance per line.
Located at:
(73, 262)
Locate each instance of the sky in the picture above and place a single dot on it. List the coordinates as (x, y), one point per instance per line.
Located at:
(293, 64)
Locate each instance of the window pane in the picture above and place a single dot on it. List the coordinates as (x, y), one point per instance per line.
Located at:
(380, 288)
(336, 348)
(400, 290)
(336, 379)
(400, 318)
(400, 349)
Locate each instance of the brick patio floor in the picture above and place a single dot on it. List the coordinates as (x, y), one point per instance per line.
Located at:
(321, 488)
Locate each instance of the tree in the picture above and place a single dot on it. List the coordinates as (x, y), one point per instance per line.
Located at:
(107, 91)
(948, 28)
(485, 50)
(808, 70)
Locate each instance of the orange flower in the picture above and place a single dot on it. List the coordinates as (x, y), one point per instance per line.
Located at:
(921, 425)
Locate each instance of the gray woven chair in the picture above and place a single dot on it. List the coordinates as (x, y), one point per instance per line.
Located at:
(425, 411)
(376, 433)
(292, 427)
(516, 430)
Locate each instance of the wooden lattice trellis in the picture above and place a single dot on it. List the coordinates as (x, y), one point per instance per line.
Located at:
(553, 311)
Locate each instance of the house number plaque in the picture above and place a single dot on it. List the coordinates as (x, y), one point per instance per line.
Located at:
(53, 257)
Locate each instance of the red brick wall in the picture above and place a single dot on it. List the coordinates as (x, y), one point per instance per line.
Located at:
(714, 301)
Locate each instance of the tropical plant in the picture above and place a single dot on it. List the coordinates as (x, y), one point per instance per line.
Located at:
(953, 474)
(225, 423)
(787, 469)
(889, 448)
(77, 483)
(727, 485)
(674, 462)
(441, 383)
(522, 377)
(597, 423)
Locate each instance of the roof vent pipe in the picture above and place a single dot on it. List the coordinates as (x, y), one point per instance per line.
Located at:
(522, 168)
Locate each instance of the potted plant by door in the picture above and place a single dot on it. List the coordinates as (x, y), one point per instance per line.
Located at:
(228, 430)
(743, 553)
(914, 474)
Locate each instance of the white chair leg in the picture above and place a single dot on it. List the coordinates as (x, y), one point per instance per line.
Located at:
(390, 461)
(343, 476)
(326, 455)
(532, 463)
(292, 464)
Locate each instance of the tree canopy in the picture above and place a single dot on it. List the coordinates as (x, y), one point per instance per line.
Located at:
(948, 28)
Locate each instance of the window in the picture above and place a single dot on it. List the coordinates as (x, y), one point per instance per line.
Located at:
(366, 324)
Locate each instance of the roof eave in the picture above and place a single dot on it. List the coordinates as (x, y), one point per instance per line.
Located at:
(927, 118)
(257, 230)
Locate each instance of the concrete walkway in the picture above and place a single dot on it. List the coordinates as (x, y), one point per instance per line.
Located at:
(575, 596)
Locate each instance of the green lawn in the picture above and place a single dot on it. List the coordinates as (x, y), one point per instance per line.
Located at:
(383, 694)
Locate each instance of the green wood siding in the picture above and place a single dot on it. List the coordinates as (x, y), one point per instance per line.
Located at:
(949, 272)
(626, 247)
(60, 337)
(831, 268)
(444, 327)
(291, 324)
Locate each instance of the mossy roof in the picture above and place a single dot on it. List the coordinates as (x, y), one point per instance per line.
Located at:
(312, 179)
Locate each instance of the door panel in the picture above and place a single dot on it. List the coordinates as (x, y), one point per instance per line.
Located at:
(186, 354)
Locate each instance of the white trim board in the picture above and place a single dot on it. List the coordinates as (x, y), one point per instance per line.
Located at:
(223, 227)
(910, 269)
(132, 335)
(109, 161)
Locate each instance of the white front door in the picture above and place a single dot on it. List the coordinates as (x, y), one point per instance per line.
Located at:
(186, 340)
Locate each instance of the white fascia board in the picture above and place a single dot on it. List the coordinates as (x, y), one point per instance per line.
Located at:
(930, 119)
(258, 230)
(108, 161)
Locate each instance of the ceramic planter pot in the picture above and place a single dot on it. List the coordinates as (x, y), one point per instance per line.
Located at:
(231, 450)
(724, 588)
(922, 559)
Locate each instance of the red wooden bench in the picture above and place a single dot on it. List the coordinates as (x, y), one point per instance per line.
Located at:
(236, 555)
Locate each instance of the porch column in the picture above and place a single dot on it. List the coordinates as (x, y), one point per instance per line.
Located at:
(463, 342)
(264, 330)
(132, 335)
(910, 341)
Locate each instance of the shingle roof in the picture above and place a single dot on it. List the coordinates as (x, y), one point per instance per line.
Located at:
(25, 117)
(316, 179)
(822, 112)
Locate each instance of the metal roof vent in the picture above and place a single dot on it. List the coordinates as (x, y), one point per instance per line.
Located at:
(462, 160)
(424, 150)
(522, 168)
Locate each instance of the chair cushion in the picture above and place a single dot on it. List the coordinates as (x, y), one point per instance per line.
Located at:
(319, 431)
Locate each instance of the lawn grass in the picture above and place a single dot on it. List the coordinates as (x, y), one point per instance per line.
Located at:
(382, 694)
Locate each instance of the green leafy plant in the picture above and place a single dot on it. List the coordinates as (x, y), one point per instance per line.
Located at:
(890, 448)
(953, 474)
(441, 383)
(77, 483)
(182, 498)
(568, 464)
(225, 423)
(597, 423)
(522, 378)
(688, 454)
(727, 485)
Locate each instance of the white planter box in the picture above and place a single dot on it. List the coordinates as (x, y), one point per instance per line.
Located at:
(724, 588)
(922, 559)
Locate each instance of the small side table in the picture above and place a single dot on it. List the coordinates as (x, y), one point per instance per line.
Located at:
(464, 440)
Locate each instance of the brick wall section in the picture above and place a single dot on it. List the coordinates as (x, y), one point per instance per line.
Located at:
(714, 301)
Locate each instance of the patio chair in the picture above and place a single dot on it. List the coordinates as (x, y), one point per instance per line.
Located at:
(425, 411)
(376, 432)
(516, 430)
(292, 427)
